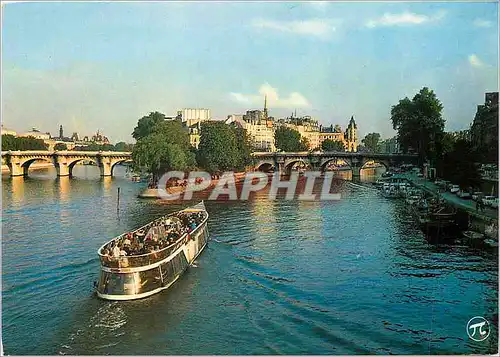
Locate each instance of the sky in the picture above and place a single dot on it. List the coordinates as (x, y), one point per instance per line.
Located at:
(104, 65)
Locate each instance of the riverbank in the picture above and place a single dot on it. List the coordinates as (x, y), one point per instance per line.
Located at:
(478, 220)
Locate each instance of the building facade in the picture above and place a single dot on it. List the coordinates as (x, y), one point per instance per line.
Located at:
(260, 127)
(192, 116)
(330, 133)
(308, 128)
(37, 134)
(484, 129)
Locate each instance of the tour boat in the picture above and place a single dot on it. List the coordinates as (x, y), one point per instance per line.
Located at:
(158, 253)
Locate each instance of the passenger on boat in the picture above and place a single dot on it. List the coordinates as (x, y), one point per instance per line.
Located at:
(116, 251)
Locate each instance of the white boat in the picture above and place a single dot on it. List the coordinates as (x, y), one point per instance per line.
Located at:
(158, 254)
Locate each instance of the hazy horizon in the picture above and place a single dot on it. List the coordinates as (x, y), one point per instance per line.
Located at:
(90, 66)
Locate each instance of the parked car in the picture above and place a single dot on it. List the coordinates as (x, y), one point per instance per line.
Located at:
(438, 182)
(490, 201)
(454, 188)
(477, 195)
(420, 174)
(464, 194)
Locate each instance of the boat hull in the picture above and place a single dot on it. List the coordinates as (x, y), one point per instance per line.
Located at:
(136, 282)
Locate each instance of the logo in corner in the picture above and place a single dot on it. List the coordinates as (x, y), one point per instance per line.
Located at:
(478, 328)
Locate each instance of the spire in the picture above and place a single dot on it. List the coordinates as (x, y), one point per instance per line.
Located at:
(265, 107)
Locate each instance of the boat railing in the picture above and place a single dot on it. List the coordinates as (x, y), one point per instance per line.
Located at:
(135, 261)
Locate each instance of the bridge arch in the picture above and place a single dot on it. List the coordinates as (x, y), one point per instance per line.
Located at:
(288, 165)
(382, 162)
(71, 164)
(327, 161)
(25, 165)
(265, 166)
(118, 162)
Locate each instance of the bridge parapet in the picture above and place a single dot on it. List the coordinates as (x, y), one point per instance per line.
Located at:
(282, 161)
(64, 161)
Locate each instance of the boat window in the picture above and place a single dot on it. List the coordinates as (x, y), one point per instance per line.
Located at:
(149, 280)
(118, 283)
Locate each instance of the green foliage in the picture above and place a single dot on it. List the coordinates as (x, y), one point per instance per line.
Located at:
(155, 154)
(147, 124)
(458, 165)
(60, 146)
(244, 145)
(418, 122)
(332, 145)
(289, 140)
(10, 142)
(174, 133)
(371, 141)
(222, 147)
(124, 147)
(162, 145)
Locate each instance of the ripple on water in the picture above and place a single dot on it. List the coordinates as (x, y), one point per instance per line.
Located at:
(353, 276)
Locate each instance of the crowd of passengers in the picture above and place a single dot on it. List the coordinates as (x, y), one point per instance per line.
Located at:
(155, 236)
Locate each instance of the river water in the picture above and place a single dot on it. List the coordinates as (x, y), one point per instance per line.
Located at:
(353, 276)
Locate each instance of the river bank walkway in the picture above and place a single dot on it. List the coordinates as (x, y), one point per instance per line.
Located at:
(469, 205)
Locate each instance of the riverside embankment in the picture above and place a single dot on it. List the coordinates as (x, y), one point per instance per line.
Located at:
(479, 220)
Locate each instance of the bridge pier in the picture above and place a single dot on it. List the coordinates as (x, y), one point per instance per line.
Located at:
(105, 166)
(63, 169)
(356, 173)
(16, 169)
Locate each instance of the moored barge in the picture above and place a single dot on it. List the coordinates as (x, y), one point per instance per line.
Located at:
(150, 259)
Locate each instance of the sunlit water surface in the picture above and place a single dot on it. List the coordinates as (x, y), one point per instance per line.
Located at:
(353, 276)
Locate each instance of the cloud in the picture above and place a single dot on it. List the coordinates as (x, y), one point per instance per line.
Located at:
(404, 18)
(294, 100)
(475, 61)
(312, 27)
(319, 5)
(482, 23)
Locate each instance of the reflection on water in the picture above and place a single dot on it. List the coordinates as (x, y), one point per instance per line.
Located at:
(353, 276)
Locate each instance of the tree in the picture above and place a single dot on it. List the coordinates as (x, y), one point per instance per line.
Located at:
(244, 145)
(219, 149)
(418, 122)
(332, 145)
(162, 145)
(371, 141)
(459, 166)
(10, 142)
(174, 132)
(289, 140)
(156, 155)
(147, 125)
(95, 147)
(60, 146)
(122, 146)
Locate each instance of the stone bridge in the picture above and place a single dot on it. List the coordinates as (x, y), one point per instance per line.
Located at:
(64, 161)
(283, 161)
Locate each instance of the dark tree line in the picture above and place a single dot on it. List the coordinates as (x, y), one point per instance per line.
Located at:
(163, 145)
(11, 142)
(420, 127)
